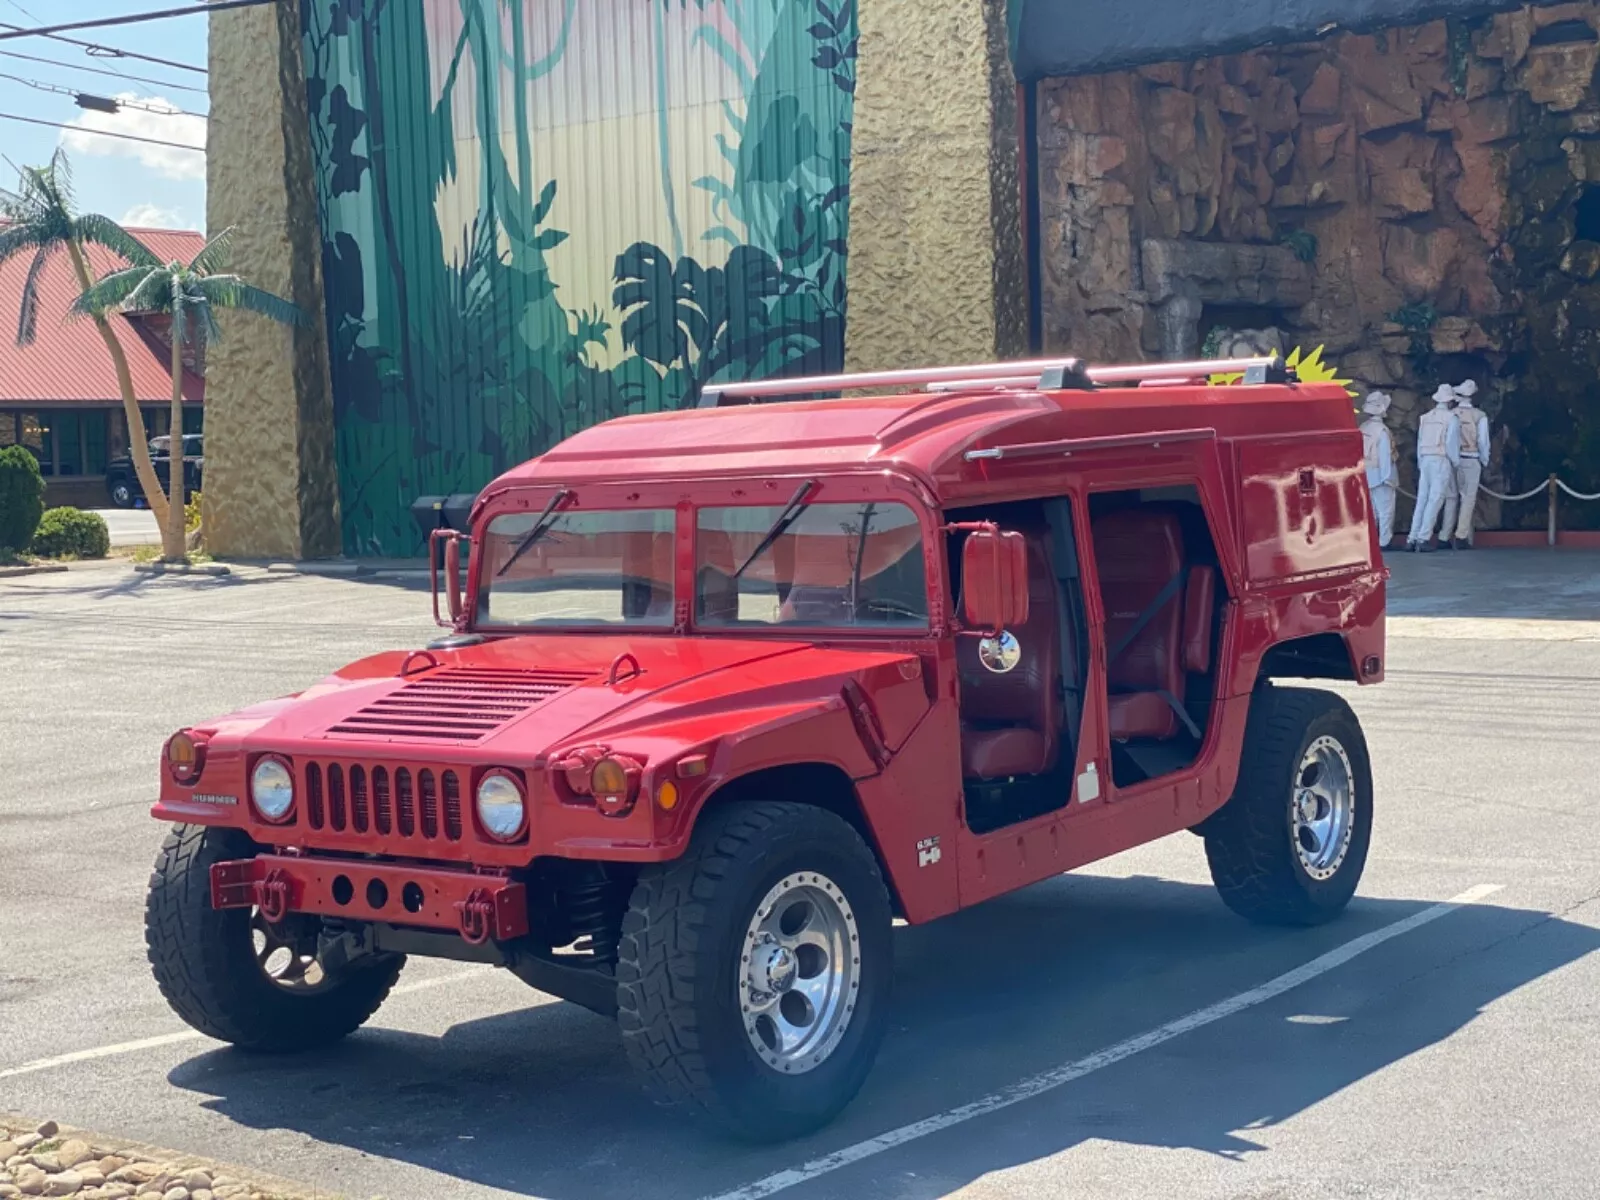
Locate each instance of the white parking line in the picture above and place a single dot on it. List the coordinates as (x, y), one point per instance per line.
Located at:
(1067, 1072)
(187, 1035)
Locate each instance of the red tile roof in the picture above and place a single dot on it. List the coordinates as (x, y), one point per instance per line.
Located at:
(68, 363)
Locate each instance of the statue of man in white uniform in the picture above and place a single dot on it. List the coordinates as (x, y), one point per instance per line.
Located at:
(1467, 448)
(1378, 449)
(1434, 475)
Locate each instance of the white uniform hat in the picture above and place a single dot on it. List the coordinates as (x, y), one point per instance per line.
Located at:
(1376, 403)
(1466, 389)
(1443, 394)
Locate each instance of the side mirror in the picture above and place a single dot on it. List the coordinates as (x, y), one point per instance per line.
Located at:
(994, 580)
(446, 544)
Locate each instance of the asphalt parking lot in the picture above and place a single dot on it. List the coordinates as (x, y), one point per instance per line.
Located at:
(1113, 1033)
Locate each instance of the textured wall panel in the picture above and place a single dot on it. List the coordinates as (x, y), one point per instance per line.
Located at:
(935, 253)
(269, 471)
(539, 214)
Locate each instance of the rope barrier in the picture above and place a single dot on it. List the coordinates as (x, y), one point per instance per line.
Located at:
(1552, 524)
(1529, 495)
(1569, 491)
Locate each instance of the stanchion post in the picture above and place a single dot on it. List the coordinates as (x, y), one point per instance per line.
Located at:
(1550, 532)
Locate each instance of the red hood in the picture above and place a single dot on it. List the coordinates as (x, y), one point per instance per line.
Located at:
(514, 700)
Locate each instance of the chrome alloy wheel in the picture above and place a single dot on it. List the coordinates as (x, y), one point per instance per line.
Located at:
(800, 972)
(1323, 808)
(283, 960)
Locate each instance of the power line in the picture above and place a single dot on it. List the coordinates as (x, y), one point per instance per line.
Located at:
(30, 15)
(99, 51)
(101, 101)
(126, 137)
(54, 62)
(131, 18)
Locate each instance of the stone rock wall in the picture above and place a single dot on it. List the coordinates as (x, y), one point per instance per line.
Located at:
(1377, 194)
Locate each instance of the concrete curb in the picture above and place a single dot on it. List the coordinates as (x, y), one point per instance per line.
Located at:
(345, 569)
(32, 569)
(161, 568)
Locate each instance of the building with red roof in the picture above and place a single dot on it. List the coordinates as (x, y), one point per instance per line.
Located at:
(59, 396)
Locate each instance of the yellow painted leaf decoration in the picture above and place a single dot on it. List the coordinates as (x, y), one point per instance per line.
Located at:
(1309, 369)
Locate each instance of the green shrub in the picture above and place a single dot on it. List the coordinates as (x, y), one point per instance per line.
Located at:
(71, 533)
(21, 498)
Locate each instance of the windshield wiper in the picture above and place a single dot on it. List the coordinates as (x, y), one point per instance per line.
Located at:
(540, 527)
(786, 518)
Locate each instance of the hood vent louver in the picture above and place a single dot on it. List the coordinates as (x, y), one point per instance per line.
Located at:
(456, 704)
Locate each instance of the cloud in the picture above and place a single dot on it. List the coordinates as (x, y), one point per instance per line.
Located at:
(169, 162)
(151, 216)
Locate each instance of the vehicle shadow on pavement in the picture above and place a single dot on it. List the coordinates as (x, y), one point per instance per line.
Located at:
(540, 1101)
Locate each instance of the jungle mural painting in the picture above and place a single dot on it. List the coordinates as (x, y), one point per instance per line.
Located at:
(539, 214)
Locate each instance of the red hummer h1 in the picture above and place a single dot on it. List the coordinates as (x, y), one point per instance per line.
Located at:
(729, 690)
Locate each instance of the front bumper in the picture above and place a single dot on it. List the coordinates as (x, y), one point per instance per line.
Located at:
(478, 907)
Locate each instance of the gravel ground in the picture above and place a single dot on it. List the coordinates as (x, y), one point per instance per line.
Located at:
(46, 1159)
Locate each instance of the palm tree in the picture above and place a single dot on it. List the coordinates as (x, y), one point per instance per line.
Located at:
(191, 295)
(40, 217)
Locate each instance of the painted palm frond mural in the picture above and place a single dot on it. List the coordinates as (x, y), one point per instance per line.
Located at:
(539, 214)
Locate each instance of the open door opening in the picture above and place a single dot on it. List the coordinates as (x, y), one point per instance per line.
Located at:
(1162, 594)
(1022, 701)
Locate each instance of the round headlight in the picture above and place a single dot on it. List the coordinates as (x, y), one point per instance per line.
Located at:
(500, 806)
(272, 788)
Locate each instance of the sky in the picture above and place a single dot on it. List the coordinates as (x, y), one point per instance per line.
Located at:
(134, 183)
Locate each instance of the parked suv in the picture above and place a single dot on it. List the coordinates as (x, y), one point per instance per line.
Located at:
(122, 482)
(728, 690)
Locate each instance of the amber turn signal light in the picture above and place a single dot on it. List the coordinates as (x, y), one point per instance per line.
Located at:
(608, 778)
(667, 796)
(183, 757)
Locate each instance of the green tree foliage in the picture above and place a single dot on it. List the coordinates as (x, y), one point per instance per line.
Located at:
(21, 499)
(71, 533)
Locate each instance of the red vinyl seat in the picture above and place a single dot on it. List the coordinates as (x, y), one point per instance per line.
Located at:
(1139, 553)
(1011, 723)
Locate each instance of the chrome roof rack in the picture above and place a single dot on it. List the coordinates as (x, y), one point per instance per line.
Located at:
(1044, 374)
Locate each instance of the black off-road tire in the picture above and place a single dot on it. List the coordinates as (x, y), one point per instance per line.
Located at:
(679, 969)
(1250, 841)
(204, 959)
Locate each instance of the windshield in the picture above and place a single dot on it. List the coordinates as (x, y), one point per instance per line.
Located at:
(833, 565)
(585, 568)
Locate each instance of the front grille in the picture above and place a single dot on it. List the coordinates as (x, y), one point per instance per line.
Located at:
(422, 804)
(456, 704)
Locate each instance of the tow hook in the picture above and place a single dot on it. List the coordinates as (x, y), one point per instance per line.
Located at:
(476, 914)
(272, 896)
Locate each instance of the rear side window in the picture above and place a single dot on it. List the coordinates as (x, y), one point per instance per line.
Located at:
(856, 565)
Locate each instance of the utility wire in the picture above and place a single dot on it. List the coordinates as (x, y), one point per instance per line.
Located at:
(132, 18)
(99, 51)
(53, 62)
(63, 90)
(30, 15)
(126, 137)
